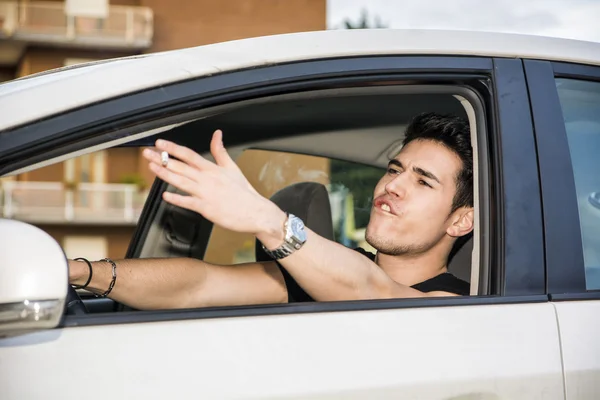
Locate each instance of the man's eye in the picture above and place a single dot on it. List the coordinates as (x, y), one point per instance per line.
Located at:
(392, 171)
(422, 182)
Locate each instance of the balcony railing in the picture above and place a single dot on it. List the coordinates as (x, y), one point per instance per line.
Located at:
(48, 22)
(52, 202)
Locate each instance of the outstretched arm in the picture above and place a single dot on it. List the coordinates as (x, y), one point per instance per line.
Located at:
(183, 283)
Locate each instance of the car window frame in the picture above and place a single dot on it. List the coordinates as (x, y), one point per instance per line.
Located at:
(522, 239)
(517, 252)
(563, 242)
(516, 114)
(90, 123)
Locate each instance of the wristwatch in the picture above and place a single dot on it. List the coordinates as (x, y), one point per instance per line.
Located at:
(295, 237)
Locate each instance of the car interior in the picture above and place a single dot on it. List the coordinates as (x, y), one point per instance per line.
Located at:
(360, 125)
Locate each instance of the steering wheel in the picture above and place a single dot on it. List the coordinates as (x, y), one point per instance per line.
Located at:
(73, 304)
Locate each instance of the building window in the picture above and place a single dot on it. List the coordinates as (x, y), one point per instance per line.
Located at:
(87, 8)
(94, 247)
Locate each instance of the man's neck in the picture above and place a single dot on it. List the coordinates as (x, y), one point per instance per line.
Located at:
(410, 269)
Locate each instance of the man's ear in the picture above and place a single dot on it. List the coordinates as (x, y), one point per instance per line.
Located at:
(462, 222)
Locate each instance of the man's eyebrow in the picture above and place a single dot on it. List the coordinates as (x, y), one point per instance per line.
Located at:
(426, 174)
(417, 170)
(395, 162)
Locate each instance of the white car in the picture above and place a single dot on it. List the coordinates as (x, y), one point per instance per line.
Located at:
(529, 330)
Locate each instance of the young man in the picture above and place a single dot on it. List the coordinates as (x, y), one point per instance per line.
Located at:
(421, 205)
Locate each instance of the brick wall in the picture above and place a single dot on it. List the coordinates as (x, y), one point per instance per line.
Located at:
(37, 59)
(121, 162)
(184, 23)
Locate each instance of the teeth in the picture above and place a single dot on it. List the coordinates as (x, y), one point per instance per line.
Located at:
(385, 207)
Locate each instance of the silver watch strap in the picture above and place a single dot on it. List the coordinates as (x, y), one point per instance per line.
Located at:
(289, 245)
(280, 252)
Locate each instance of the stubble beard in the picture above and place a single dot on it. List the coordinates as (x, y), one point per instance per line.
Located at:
(388, 247)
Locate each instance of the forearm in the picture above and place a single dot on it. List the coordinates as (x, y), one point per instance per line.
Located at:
(145, 283)
(329, 271)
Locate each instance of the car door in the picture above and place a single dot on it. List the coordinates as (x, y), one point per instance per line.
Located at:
(501, 344)
(566, 103)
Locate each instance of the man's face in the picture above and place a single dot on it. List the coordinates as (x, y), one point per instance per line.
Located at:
(413, 200)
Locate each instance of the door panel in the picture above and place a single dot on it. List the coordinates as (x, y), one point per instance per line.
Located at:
(579, 334)
(506, 351)
(565, 100)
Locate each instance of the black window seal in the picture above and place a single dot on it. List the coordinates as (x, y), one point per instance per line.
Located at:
(292, 308)
(518, 208)
(582, 296)
(576, 71)
(562, 232)
(72, 126)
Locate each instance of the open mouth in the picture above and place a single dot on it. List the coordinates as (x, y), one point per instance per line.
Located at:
(385, 208)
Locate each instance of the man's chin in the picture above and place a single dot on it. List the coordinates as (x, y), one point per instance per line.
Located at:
(375, 240)
(382, 244)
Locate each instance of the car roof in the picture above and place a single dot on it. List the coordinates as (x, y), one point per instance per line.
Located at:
(98, 81)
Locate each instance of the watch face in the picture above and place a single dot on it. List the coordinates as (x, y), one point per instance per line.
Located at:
(297, 228)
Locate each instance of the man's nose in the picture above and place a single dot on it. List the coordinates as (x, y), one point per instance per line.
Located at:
(397, 186)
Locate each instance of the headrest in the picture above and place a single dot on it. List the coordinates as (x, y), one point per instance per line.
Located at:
(309, 201)
(459, 260)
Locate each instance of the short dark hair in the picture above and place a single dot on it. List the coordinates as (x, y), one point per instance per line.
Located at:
(452, 132)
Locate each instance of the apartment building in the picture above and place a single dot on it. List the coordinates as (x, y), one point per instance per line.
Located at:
(91, 204)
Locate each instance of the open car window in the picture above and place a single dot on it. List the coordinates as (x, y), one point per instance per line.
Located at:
(342, 141)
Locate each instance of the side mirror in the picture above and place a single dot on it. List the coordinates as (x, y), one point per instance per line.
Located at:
(33, 279)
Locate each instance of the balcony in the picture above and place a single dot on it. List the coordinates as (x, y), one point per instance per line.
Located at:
(48, 23)
(86, 203)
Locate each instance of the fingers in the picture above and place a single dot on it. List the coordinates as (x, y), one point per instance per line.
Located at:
(187, 202)
(173, 165)
(217, 149)
(184, 154)
(179, 181)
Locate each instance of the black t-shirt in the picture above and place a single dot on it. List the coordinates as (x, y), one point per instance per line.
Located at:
(445, 282)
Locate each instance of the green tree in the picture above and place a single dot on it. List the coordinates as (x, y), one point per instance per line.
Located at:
(360, 180)
(363, 22)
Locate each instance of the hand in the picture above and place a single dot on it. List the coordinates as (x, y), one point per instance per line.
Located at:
(219, 191)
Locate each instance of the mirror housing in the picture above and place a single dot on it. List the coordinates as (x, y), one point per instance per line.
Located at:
(33, 279)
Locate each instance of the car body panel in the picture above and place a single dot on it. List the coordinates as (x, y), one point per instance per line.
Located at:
(579, 335)
(508, 351)
(99, 81)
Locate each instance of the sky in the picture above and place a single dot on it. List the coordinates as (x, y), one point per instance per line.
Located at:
(573, 19)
